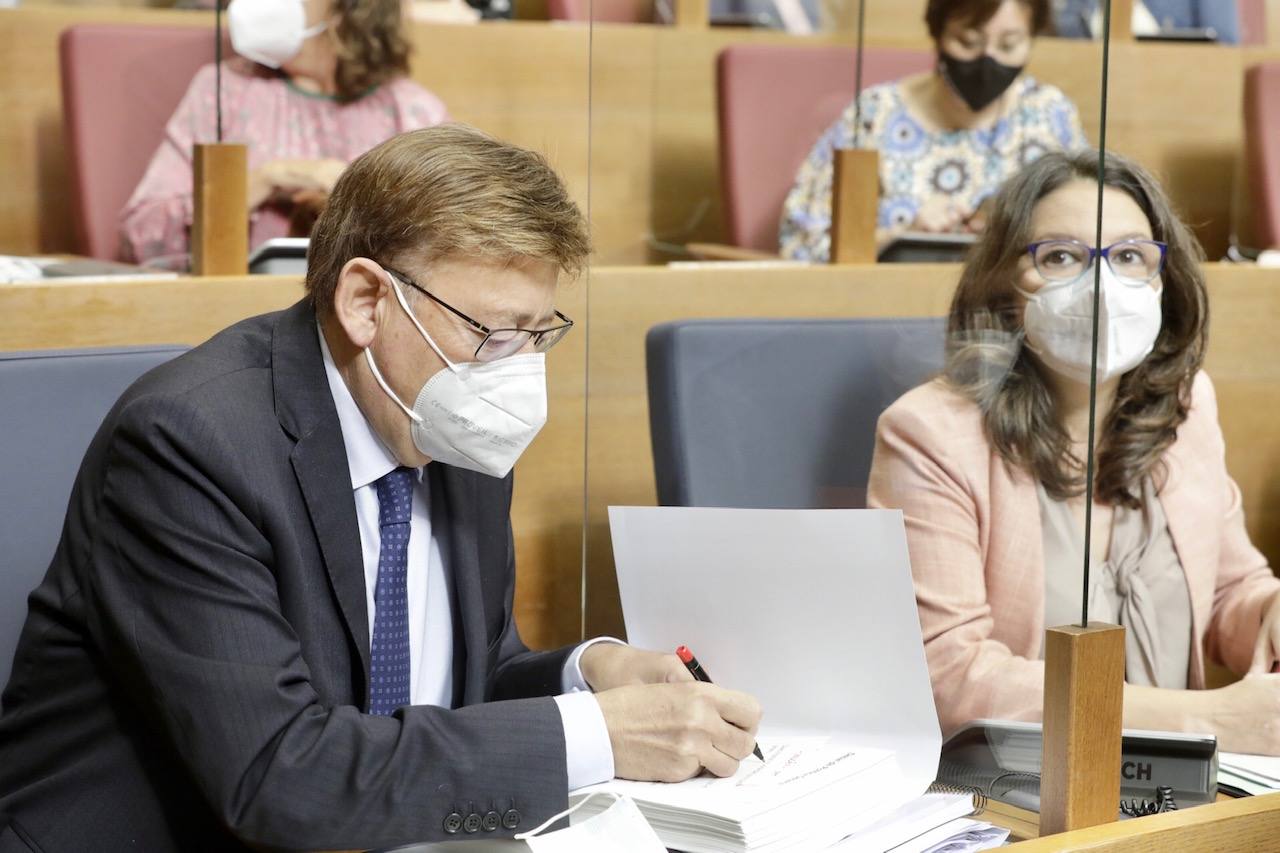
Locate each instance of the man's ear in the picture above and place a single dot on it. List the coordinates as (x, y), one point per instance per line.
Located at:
(361, 286)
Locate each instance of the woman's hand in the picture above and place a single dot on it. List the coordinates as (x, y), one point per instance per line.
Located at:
(1245, 716)
(940, 214)
(281, 180)
(1266, 650)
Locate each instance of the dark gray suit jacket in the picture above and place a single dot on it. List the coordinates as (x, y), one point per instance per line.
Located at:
(194, 667)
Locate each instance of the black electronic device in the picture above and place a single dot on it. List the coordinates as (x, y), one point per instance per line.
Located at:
(280, 256)
(1001, 760)
(1181, 34)
(920, 247)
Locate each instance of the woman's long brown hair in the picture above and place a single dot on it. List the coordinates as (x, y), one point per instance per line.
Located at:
(372, 48)
(987, 362)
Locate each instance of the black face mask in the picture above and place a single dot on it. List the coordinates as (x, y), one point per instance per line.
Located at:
(978, 81)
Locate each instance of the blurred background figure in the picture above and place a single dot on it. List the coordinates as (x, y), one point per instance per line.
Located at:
(1083, 18)
(947, 138)
(317, 83)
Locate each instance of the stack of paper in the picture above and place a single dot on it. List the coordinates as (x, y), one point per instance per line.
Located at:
(807, 794)
(933, 823)
(1254, 774)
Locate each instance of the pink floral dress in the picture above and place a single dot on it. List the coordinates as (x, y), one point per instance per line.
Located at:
(276, 120)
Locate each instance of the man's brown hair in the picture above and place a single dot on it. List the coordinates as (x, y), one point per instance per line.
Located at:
(446, 191)
(975, 13)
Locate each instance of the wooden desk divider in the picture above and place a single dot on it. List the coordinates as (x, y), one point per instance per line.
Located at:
(1083, 709)
(693, 14)
(855, 200)
(1121, 20)
(220, 228)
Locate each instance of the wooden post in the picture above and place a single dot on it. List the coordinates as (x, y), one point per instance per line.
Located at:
(1083, 709)
(220, 228)
(693, 14)
(855, 201)
(1272, 12)
(1121, 20)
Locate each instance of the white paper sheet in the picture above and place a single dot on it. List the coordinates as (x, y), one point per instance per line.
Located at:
(811, 611)
(1264, 769)
(792, 768)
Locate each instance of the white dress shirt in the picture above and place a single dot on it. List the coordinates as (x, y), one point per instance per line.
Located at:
(588, 752)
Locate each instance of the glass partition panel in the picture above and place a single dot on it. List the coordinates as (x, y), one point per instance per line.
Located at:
(958, 382)
(742, 127)
(527, 81)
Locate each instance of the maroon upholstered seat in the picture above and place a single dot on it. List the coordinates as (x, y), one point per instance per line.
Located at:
(606, 11)
(774, 102)
(1262, 145)
(120, 84)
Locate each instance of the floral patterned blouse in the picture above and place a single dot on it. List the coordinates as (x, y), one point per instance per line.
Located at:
(276, 120)
(917, 163)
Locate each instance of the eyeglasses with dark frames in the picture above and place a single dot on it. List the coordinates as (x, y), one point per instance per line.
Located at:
(497, 343)
(1134, 262)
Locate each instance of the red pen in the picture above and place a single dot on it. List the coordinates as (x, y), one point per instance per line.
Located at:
(695, 669)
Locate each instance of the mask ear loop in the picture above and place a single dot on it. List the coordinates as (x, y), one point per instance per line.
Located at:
(395, 288)
(377, 375)
(373, 367)
(316, 28)
(573, 808)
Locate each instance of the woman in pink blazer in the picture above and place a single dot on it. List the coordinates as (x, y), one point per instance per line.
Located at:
(986, 463)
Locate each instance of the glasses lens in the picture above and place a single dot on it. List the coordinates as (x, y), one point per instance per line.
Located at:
(1061, 260)
(502, 343)
(1135, 262)
(550, 338)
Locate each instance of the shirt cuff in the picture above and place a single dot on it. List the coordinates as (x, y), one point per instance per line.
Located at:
(571, 680)
(588, 753)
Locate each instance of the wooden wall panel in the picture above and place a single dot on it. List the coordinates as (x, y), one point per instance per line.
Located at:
(606, 451)
(1244, 361)
(653, 158)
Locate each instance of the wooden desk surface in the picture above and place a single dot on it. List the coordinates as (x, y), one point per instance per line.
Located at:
(1227, 826)
(1024, 825)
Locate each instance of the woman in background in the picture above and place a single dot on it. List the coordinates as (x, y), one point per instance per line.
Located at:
(321, 82)
(987, 464)
(947, 138)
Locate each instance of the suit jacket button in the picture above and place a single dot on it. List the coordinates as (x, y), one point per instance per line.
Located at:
(453, 823)
(490, 822)
(472, 823)
(511, 819)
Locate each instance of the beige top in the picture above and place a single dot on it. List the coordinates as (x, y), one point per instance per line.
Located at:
(1141, 586)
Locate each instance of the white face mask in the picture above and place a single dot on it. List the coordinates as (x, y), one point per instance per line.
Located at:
(1059, 325)
(620, 828)
(270, 32)
(479, 415)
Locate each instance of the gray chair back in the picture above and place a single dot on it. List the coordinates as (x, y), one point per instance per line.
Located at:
(51, 404)
(777, 413)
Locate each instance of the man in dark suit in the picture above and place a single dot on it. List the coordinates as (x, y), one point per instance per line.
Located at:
(271, 622)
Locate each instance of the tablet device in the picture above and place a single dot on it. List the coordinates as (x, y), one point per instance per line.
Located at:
(280, 256)
(1181, 34)
(90, 267)
(918, 247)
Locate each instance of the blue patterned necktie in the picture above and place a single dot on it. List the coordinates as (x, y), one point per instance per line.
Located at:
(389, 651)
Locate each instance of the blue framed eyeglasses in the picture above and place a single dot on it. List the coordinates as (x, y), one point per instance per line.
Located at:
(1134, 262)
